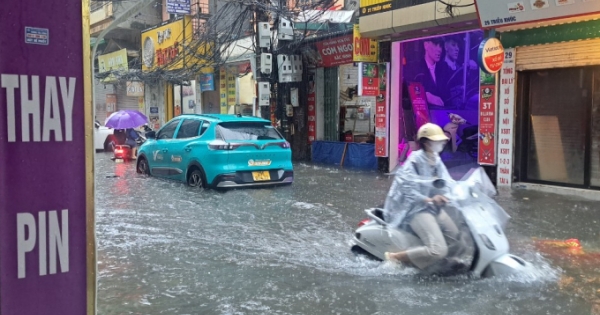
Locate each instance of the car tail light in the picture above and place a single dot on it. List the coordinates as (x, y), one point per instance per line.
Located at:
(285, 145)
(363, 222)
(221, 145)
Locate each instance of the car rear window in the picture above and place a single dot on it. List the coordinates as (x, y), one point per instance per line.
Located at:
(232, 131)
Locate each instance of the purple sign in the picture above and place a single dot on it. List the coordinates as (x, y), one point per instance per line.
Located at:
(42, 159)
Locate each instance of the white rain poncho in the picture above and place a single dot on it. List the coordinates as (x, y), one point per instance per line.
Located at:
(413, 183)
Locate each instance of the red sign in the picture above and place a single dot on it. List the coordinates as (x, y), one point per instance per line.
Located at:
(491, 55)
(382, 114)
(312, 111)
(335, 51)
(487, 124)
(419, 103)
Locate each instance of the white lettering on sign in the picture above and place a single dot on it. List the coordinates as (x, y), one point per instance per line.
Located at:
(51, 238)
(31, 107)
(506, 118)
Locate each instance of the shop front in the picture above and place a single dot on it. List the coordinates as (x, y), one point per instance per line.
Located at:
(341, 121)
(438, 80)
(549, 92)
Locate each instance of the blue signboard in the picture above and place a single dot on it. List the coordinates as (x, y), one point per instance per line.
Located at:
(179, 7)
(37, 36)
(207, 82)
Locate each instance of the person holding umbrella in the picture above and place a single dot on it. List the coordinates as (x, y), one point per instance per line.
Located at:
(127, 119)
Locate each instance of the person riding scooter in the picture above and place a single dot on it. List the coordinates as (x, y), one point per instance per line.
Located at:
(131, 141)
(414, 206)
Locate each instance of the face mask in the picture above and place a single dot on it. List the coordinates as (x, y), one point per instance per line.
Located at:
(437, 146)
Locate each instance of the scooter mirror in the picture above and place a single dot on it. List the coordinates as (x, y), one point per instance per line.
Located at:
(439, 183)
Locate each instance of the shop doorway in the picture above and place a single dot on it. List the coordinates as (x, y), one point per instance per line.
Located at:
(560, 124)
(331, 104)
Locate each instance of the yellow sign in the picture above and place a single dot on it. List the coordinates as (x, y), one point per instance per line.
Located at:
(162, 46)
(223, 89)
(368, 7)
(231, 86)
(114, 61)
(365, 49)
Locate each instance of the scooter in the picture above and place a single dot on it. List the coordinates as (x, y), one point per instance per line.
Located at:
(122, 152)
(482, 249)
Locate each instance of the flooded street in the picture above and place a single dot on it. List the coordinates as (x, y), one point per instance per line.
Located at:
(164, 248)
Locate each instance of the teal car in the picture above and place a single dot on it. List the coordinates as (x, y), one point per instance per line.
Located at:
(217, 151)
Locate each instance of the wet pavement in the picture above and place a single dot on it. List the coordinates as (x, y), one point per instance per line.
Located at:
(164, 248)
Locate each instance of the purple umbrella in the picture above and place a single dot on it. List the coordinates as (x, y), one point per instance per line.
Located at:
(124, 119)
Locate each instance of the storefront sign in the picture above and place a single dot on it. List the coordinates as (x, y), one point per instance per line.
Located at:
(111, 104)
(335, 51)
(368, 7)
(365, 49)
(487, 120)
(506, 119)
(207, 82)
(491, 55)
(115, 61)
(162, 46)
(46, 226)
(419, 103)
(135, 88)
(312, 110)
(179, 7)
(368, 79)
(223, 90)
(231, 87)
(496, 13)
(382, 113)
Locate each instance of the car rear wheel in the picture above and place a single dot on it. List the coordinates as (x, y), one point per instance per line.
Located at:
(195, 178)
(142, 166)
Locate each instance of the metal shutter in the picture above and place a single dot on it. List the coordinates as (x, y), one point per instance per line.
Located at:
(559, 55)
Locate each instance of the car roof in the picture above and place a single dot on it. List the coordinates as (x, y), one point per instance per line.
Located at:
(224, 118)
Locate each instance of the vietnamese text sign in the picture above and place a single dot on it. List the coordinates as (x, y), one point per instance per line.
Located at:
(207, 82)
(179, 7)
(382, 113)
(312, 111)
(135, 88)
(368, 7)
(487, 120)
(365, 49)
(496, 13)
(368, 79)
(223, 90)
(114, 61)
(419, 103)
(43, 187)
(336, 51)
(506, 119)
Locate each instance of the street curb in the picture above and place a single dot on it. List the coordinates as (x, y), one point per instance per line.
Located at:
(566, 191)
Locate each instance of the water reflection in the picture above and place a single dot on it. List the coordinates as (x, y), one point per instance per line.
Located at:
(167, 249)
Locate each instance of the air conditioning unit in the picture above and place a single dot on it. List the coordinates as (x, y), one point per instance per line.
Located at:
(264, 93)
(266, 63)
(264, 35)
(285, 31)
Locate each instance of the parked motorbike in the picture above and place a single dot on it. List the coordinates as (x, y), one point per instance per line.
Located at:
(482, 249)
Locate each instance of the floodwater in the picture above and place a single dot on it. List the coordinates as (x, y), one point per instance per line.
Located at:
(164, 248)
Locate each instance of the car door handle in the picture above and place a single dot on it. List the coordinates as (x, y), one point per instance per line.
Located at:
(188, 149)
(165, 150)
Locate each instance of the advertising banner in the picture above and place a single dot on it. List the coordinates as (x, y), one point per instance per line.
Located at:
(365, 49)
(312, 110)
(223, 90)
(496, 13)
(382, 112)
(46, 179)
(231, 90)
(336, 51)
(207, 82)
(506, 119)
(114, 61)
(419, 104)
(111, 104)
(487, 119)
(368, 81)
